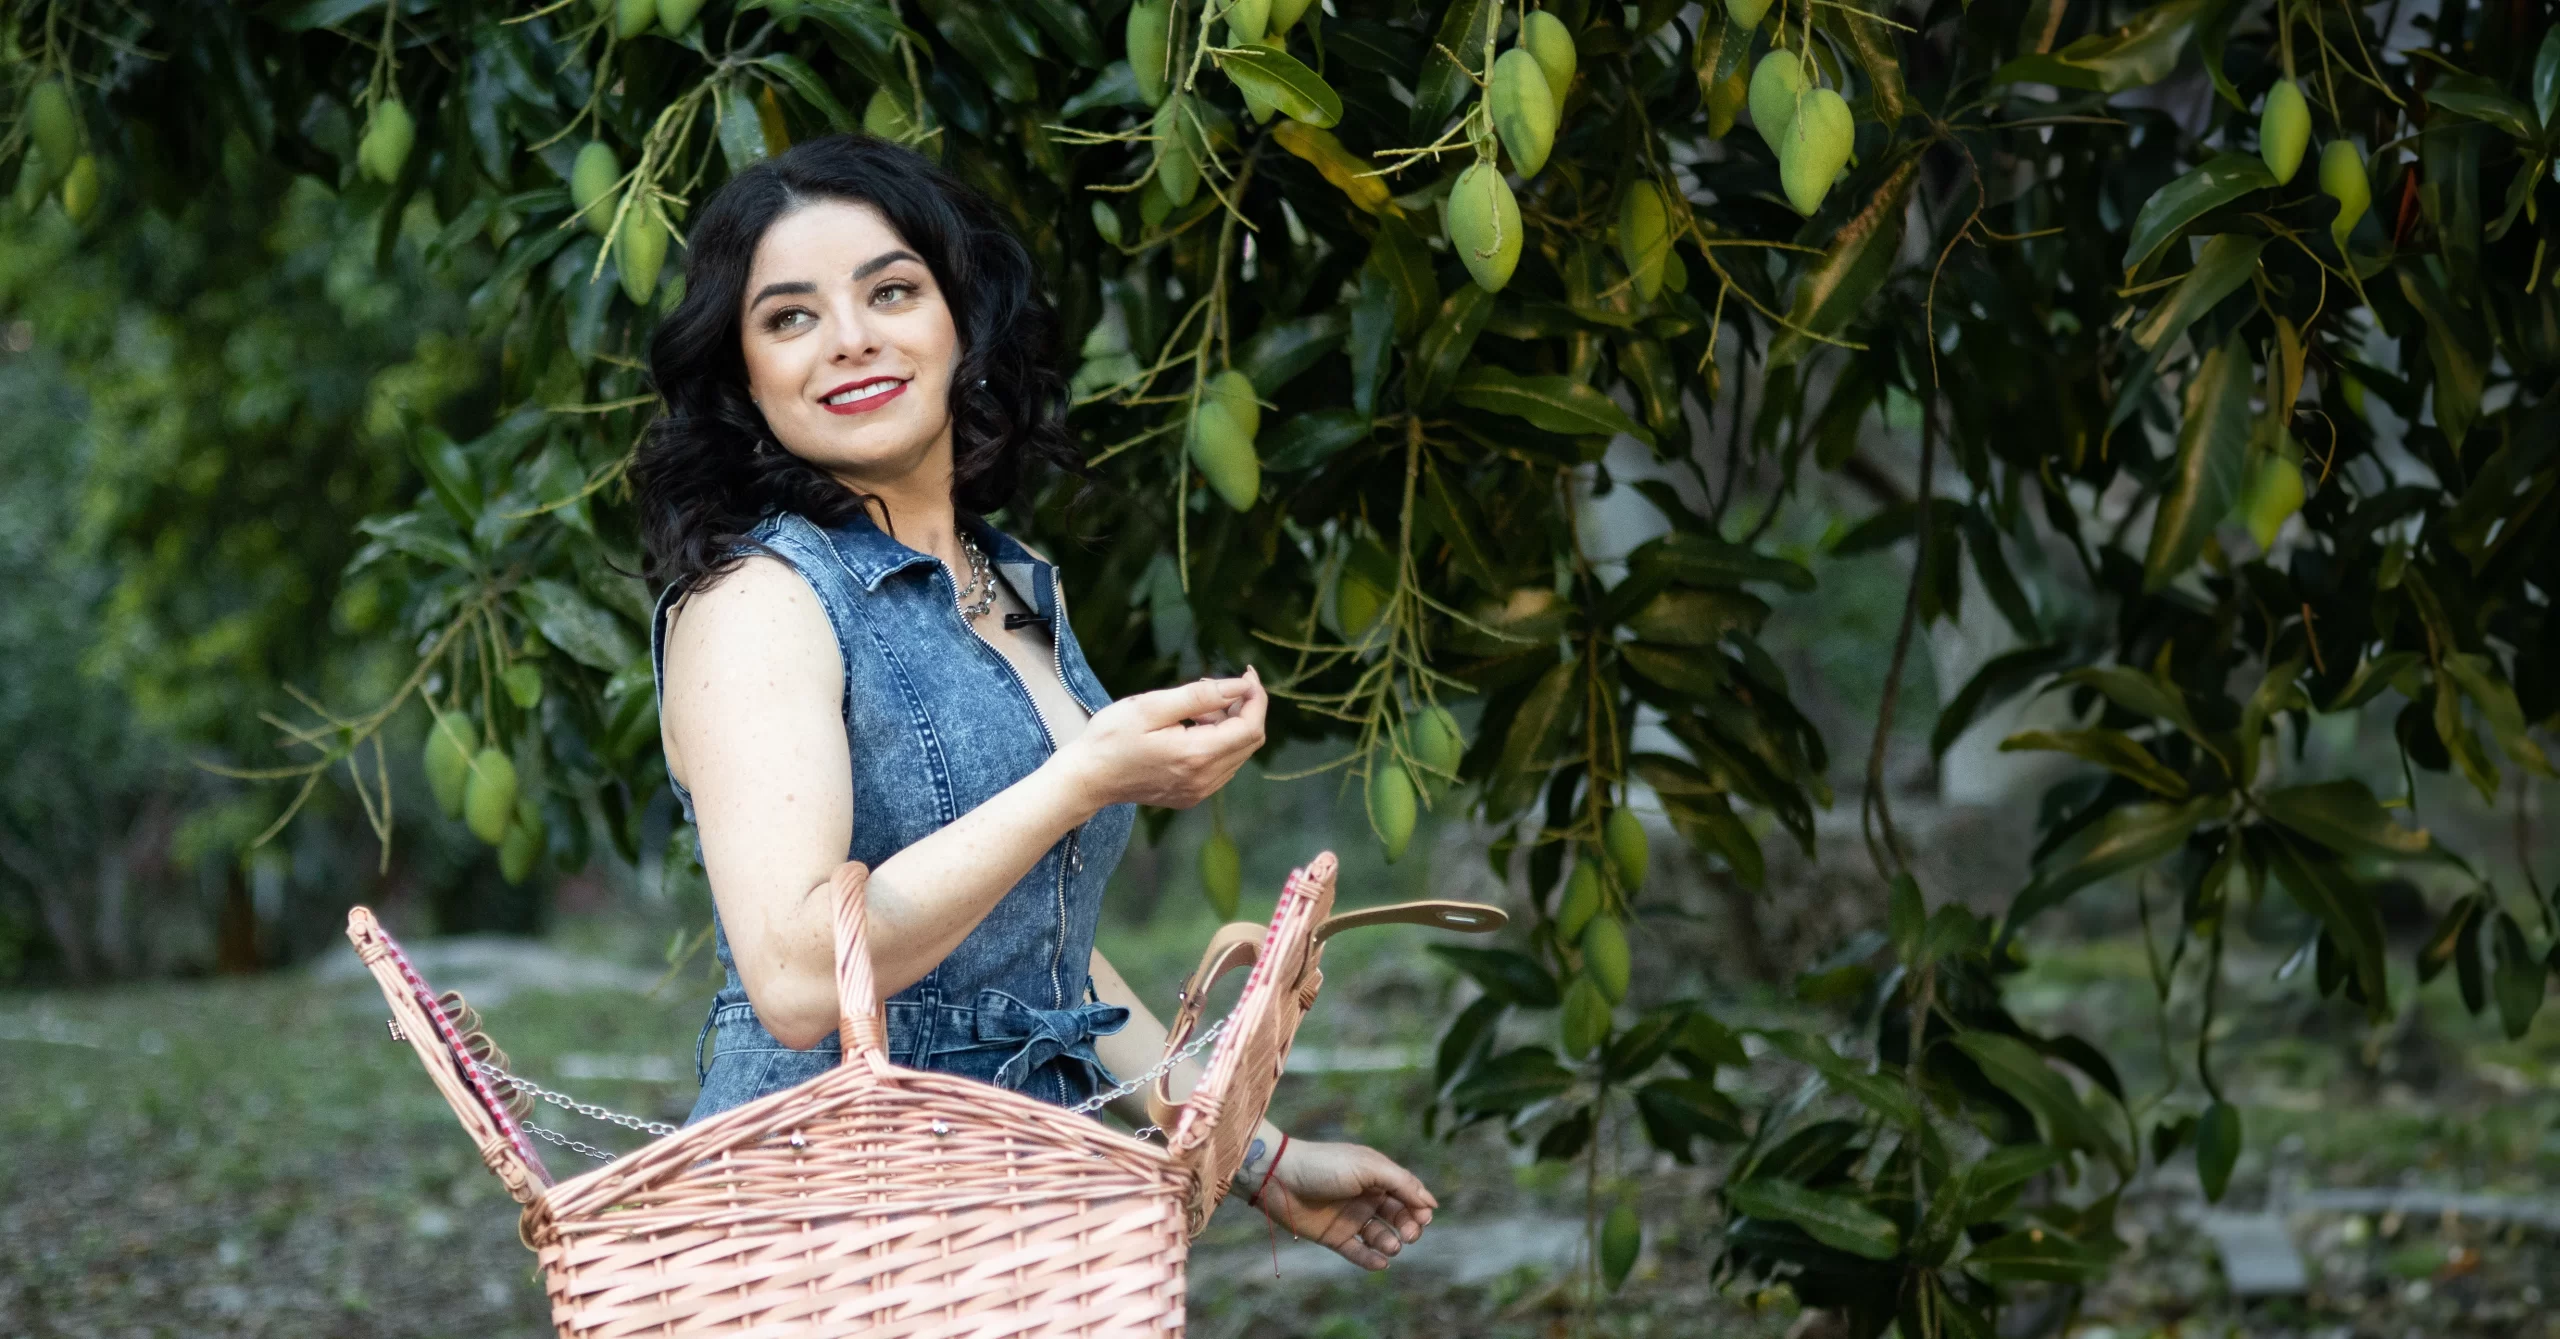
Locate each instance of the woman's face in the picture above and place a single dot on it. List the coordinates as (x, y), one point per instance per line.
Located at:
(850, 347)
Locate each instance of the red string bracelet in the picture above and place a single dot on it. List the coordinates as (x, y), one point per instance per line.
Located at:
(1255, 1199)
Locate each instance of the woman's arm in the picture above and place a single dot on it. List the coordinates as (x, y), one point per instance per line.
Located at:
(754, 683)
(1353, 1199)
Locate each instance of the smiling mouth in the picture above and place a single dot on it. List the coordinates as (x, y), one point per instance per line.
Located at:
(862, 395)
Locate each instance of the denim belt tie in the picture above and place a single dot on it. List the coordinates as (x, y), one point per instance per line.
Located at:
(1045, 1035)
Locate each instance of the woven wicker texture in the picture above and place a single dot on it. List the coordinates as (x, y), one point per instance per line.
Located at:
(877, 1200)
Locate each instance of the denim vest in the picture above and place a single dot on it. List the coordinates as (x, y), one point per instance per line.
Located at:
(938, 721)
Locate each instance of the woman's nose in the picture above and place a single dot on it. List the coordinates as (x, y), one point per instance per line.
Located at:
(855, 339)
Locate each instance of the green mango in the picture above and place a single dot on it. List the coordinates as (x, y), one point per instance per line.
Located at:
(1582, 900)
(1178, 152)
(1621, 1240)
(2272, 494)
(1605, 956)
(1235, 390)
(1363, 588)
(591, 179)
(52, 126)
(1818, 143)
(1285, 15)
(1433, 738)
(1585, 1021)
(640, 252)
(524, 842)
(1391, 807)
(80, 188)
(1725, 102)
(1248, 20)
(1524, 110)
(1550, 43)
(633, 17)
(448, 763)
(1746, 14)
(35, 177)
(1222, 874)
(1224, 452)
(489, 796)
(1630, 851)
(2342, 179)
(1151, 47)
(388, 135)
(2284, 130)
(1644, 236)
(1484, 226)
(677, 15)
(1776, 83)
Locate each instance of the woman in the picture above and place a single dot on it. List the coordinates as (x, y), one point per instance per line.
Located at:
(851, 664)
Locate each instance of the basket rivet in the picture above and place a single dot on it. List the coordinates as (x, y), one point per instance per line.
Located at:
(939, 1129)
(797, 1141)
(394, 1025)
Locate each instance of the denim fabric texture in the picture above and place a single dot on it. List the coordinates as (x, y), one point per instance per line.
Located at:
(938, 722)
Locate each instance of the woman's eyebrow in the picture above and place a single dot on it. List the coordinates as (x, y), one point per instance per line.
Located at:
(883, 261)
(788, 286)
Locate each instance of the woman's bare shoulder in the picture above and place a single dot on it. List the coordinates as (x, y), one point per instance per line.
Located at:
(759, 616)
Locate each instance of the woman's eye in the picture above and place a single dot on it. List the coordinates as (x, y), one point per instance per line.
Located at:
(789, 318)
(891, 292)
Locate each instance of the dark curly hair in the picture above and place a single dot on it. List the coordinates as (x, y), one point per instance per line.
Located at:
(710, 469)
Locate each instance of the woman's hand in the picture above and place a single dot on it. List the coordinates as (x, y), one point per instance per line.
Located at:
(1172, 748)
(1353, 1199)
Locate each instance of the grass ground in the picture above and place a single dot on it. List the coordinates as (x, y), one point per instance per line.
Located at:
(255, 1157)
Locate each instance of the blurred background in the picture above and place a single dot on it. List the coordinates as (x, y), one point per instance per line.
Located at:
(226, 405)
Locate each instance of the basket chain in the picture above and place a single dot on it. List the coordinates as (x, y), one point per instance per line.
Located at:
(573, 1145)
(1100, 1100)
(589, 1110)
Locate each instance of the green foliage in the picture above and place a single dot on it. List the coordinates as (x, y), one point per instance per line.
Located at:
(2111, 332)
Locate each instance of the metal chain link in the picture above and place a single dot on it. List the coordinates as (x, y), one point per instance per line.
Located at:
(587, 1109)
(573, 1145)
(1100, 1100)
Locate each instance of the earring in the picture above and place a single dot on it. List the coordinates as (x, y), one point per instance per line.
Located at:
(982, 381)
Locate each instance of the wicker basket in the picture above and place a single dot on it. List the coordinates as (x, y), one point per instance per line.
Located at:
(878, 1200)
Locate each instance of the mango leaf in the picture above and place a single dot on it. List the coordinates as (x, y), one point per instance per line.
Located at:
(2004, 676)
(2129, 837)
(808, 87)
(1308, 440)
(2222, 267)
(2037, 1255)
(1067, 24)
(1536, 732)
(2213, 443)
(1400, 257)
(2448, 937)
(1467, 1037)
(1988, 1185)
(2482, 100)
(1834, 1220)
(2476, 675)
(2371, 677)
(1690, 558)
(1336, 164)
(1679, 1112)
(2217, 1148)
(1872, 48)
(2546, 77)
(2518, 979)
(1557, 404)
(2343, 816)
(1680, 669)
(2346, 908)
(1278, 78)
(1513, 978)
(1282, 349)
(2457, 348)
(1882, 1094)
(2065, 1121)
(1860, 258)
(2111, 749)
(578, 625)
(2219, 181)
(1446, 344)
(1443, 85)
(741, 130)
(1511, 1082)
(2136, 692)
(2143, 51)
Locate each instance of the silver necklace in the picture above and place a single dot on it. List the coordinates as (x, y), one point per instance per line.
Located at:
(979, 596)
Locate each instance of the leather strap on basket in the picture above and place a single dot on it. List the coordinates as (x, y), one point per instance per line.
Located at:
(861, 1028)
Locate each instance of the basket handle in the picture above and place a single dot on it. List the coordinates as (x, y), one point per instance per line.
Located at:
(860, 1028)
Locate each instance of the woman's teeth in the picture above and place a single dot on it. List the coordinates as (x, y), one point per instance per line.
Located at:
(865, 391)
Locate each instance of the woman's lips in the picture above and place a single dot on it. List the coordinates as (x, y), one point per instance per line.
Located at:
(866, 403)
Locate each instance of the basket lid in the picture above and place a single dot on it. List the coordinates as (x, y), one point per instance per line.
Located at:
(1210, 1137)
